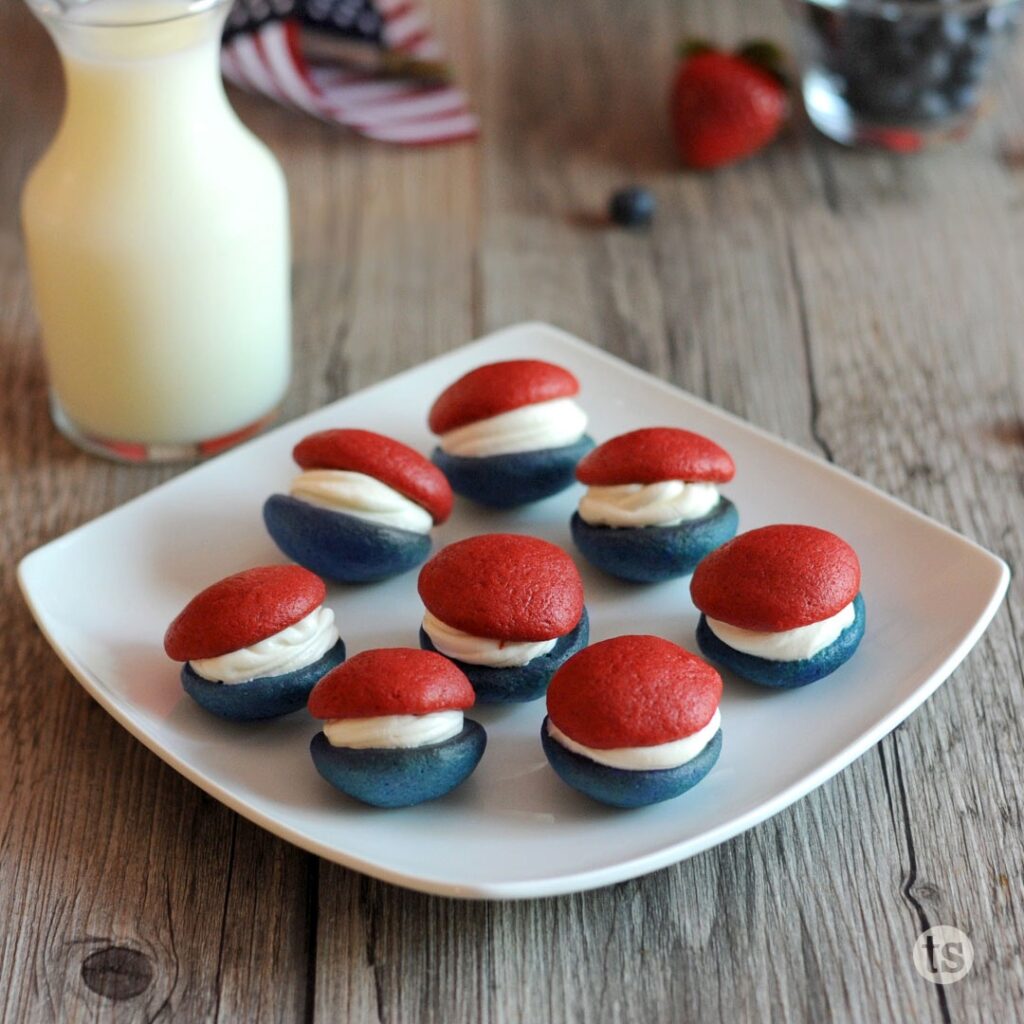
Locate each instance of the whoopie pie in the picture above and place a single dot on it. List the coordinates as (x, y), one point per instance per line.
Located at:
(395, 733)
(361, 509)
(255, 644)
(633, 721)
(507, 609)
(652, 509)
(781, 606)
(510, 433)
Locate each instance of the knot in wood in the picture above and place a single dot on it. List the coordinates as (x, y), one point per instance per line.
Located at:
(117, 972)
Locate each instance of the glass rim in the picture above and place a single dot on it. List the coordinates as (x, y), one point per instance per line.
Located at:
(893, 9)
(76, 13)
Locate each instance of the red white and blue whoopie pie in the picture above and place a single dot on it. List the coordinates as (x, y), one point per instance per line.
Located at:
(507, 609)
(361, 509)
(781, 606)
(255, 644)
(633, 721)
(652, 509)
(395, 733)
(510, 433)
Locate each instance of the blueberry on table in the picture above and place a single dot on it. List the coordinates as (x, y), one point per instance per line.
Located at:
(632, 207)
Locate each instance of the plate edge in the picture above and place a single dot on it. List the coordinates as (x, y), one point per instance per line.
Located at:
(593, 351)
(594, 878)
(583, 881)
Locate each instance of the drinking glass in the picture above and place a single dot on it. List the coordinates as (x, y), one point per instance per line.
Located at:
(899, 73)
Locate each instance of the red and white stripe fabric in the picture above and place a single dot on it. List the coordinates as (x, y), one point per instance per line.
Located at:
(268, 60)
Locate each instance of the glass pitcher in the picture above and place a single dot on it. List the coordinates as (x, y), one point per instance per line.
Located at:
(156, 227)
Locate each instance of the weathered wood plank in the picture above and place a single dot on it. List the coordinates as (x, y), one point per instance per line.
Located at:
(822, 903)
(708, 300)
(127, 894)
(922, 400)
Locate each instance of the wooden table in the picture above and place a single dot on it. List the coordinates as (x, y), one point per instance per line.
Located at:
(866, 307)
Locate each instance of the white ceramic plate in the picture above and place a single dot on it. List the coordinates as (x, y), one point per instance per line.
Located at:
(104, 594)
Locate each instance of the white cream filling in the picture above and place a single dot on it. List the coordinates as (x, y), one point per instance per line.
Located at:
(789, 644)
(552, 424)
(666, 503)
(362, 496)
(477, 650)
(293, 648)
(644, 759)
(393, 730)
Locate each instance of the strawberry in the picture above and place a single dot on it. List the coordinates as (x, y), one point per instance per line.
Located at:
(724, 107)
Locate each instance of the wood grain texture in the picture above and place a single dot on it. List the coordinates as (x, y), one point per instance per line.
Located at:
(864, 307)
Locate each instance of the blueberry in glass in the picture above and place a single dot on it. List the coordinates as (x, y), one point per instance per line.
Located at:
(897, 73)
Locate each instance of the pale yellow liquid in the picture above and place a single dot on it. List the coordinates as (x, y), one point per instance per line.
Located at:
(157, 234)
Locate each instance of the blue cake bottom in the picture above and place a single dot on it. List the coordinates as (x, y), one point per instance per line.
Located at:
(650, 554)
(339, 546)
(622, 788)
(505, 481)
(785, 674)
(521, 683)
(266, 697)
(400, 777)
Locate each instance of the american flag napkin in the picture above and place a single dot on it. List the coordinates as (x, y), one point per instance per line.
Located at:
(371, 65)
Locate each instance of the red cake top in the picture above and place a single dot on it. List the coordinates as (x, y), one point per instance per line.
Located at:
(654, 454)
(391, 681)
(242, 610)
(633, 691)
(497, 388)
(385, 459)
(504, 586)
(777, 578)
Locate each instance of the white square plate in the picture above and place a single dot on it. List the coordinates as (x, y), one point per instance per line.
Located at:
(104, 594)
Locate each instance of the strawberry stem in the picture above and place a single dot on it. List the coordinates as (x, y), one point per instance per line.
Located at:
(690, 47)
(766, 55)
